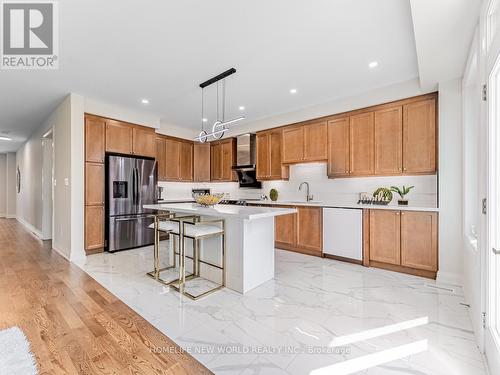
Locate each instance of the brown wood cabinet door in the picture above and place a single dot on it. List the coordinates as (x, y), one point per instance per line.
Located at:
(144, 142)
(216, 162)
(419, 137)
(277, 170)
(263, 156)
(94, 184)
(389, 141)
(161, 157)
(361, 145)
(172, 166)
(315, 142)
(338, 147)
(293, 144)
(201, 162)
(119, 137)
(419, 240)
(228, 160)
(285, 231)
(95, 139)
(310, 229)
(94, 227)
(186, 161)
(385, 236)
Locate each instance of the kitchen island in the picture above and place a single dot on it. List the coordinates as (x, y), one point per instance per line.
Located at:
(249, 241)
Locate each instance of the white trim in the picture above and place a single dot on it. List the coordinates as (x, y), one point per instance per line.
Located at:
(30, 228)
(10, 216)
(449, 278)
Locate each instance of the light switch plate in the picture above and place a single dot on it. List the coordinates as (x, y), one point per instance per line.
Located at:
(66, 181)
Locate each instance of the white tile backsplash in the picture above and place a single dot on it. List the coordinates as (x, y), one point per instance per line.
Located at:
(324, 189)
(348, 189)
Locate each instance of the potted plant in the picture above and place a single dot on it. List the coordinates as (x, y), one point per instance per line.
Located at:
(402, 193)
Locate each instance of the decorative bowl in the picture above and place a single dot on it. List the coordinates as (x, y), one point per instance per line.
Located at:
(208, 200)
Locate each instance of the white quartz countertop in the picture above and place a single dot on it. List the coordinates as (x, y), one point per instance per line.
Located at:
(332, 204)
(222, 210)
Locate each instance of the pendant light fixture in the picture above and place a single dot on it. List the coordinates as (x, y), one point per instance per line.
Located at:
(219, 127)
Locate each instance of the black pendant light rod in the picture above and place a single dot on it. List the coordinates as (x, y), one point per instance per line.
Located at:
(227, 73)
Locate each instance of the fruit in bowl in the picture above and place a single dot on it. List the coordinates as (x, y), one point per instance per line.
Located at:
(208, 200)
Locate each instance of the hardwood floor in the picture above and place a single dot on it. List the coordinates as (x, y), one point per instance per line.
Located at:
(75, 325)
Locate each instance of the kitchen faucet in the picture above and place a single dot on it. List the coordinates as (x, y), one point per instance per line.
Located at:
(308, 197)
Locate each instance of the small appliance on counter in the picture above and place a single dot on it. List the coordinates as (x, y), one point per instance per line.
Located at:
(195, 192)
(160, 192)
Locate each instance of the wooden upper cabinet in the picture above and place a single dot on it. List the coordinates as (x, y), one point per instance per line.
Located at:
(143, 142)
(118, 137)
(419, 137)
(186, 161)
(419, 234)
(385, 236)
(94, 227)
(388, 141)
(285, 231)
(361, 145)
(269, 155)
(310, 229)
(172, 166)
(216, 161)
(94, 184)
(338, 147)
(278, 171)
(161, 157)
(95, 139)
(293, 144)
(201, 162)
(263, 155)
(315, 142)
(228, 160)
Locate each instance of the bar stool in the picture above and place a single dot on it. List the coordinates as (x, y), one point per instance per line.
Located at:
(170, 224)
(196, 230)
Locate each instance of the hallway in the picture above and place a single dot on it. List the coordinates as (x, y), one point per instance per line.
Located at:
(75, 326)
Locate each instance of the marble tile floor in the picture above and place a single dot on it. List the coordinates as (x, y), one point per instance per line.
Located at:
(317, 316)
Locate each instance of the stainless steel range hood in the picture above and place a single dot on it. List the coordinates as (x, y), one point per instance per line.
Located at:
(246, 153)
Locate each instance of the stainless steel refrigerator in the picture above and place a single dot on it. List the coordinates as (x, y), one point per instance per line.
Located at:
(131, 183)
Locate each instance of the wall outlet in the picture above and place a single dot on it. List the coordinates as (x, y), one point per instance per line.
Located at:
(66, 182)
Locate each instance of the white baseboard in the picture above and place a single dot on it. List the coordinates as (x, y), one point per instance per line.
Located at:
(30, 228)
(449, 278)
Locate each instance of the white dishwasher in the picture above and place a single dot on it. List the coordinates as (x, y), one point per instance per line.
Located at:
(343, 232)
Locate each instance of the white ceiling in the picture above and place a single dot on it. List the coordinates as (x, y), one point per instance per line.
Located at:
(120, 51)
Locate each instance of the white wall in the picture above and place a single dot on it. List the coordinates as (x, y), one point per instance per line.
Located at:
(450, 182)
(3, 184)
(30, 162)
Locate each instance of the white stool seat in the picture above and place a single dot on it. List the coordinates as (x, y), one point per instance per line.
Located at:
(201, 230)
(167, 226)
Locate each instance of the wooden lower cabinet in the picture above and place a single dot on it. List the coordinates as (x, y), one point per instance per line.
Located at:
(419, 240)
(403, 241)
(94, 184)
(385, 236)
(94, 229)
(285, 231)
(301, 232)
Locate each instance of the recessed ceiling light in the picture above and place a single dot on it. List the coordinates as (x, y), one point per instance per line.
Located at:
(241, 107)
(293, 91)
(373, 64)
(5, 139)
(145, 101)
(204, 119)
